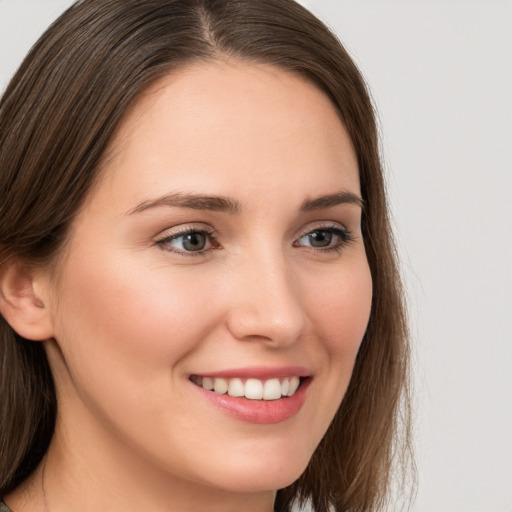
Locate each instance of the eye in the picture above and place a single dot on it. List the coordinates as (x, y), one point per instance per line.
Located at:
(325, 238)
(190, 242)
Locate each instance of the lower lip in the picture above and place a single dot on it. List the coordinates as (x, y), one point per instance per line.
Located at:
(259, 411)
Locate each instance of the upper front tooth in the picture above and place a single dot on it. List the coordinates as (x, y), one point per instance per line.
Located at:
(236, 387)
(272, 389)
(254, 389)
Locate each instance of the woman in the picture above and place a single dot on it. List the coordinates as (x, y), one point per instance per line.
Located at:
(199, 297)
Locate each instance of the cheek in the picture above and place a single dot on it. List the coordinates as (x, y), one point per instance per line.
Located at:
(127, 314)
(341, 310)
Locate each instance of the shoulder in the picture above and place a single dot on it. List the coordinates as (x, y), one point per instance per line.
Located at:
(4, 507)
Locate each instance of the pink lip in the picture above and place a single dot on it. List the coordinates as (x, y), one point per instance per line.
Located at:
(260, 372)
(258, 411)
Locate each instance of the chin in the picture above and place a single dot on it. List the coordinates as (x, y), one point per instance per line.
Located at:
(262, 472)
(261, 481)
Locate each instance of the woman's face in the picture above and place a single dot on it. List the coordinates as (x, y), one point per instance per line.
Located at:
(221, 246)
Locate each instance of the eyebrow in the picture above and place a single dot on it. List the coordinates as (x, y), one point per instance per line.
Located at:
(193, 201)
(330, 200)
(228, 205)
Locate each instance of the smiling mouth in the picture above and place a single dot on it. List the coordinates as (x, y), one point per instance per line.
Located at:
(253, 389)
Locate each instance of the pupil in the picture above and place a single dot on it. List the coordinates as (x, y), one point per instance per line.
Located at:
(320, 238)
(194, 242)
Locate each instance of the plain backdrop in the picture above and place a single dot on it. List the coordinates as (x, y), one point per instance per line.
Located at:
(440, 72)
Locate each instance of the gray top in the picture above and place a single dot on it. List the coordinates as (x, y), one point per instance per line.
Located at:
(4, 507)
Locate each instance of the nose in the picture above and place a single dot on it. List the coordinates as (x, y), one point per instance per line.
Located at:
(265, 302)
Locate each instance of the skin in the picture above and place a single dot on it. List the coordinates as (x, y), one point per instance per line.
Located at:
(131, 319)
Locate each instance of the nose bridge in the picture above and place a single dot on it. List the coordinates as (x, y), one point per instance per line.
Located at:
(267, 303)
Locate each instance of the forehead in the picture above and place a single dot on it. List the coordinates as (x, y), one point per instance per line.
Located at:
(230, 126)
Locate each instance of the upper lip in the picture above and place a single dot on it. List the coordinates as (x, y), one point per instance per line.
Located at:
(259, 372)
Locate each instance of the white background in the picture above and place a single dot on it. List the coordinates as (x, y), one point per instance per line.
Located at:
(441, 74)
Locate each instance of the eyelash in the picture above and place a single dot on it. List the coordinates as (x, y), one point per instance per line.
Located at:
(345, 237)
(343, 233)
(164, 242)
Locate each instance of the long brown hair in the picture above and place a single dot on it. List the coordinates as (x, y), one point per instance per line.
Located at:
(57, 117)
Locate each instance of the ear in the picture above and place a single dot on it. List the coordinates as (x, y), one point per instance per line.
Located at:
(22, 301)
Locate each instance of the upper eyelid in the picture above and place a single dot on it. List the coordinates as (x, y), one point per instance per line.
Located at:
(180, 231)
(349, 230)
(324, 226)
(204, 228)
(171, 232)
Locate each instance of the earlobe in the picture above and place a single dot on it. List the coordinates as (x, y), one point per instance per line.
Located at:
(24, 309)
